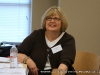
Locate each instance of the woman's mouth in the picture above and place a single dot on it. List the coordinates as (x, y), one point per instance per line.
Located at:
(52, 25)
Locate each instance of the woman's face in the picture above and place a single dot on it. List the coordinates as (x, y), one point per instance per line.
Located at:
(53, 23)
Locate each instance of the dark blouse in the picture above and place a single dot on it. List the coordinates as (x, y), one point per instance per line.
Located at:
(35, 46)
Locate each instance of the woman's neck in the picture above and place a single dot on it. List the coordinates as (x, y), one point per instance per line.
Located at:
(51, 36)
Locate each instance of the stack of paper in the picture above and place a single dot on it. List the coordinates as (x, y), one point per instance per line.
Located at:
(4, 59)
(7, 65)
(6, 70)
(13, 71)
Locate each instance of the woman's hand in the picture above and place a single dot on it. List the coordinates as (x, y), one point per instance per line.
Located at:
(32, 67)
(62, 69)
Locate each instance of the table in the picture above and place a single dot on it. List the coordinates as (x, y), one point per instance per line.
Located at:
(6, 70)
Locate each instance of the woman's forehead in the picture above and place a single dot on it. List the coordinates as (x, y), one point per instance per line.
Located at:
(53, 15)
(56, 15)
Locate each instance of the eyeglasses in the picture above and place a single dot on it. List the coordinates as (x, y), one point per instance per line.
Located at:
(55, 19)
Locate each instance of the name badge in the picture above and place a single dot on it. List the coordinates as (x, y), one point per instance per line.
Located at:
(56, 49)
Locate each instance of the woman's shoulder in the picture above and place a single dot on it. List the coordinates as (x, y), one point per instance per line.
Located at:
(68, 36)
(38, 31)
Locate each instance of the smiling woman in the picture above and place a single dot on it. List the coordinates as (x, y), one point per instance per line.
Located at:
(49, 47)
(59, 15)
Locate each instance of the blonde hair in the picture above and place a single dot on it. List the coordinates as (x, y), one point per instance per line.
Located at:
(52, 11)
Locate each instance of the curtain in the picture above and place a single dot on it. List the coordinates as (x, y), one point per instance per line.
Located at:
(15, 20)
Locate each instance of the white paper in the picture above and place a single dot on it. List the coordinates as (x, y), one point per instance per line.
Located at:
(14, 71)
(6, 70)
(10, 74)
(20, 65)
(4, 59)
(2, 65)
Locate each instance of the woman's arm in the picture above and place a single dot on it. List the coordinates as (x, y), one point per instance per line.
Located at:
(68, 54)
(21, 57)
(30, 63)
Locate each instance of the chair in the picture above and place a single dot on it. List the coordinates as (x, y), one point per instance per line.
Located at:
(87, 63)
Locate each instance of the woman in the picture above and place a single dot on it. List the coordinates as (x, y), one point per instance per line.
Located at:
(50, 47)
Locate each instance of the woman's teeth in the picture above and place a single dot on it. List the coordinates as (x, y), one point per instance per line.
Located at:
(52, 25)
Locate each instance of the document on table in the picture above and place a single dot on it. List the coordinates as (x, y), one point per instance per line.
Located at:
(14, 71)
(4, 59)
(10, 74)
(6, 70)
(2, 65)
(7, 65)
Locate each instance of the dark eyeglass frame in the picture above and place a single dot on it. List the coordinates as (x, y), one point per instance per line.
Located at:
(55, 19)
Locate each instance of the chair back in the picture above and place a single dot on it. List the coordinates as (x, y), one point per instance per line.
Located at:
(87, 63)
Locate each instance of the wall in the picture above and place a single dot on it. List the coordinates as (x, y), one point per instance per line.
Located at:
(38, 9)
(84, 23)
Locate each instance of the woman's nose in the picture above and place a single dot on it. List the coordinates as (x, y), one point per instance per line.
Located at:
(52, 20)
